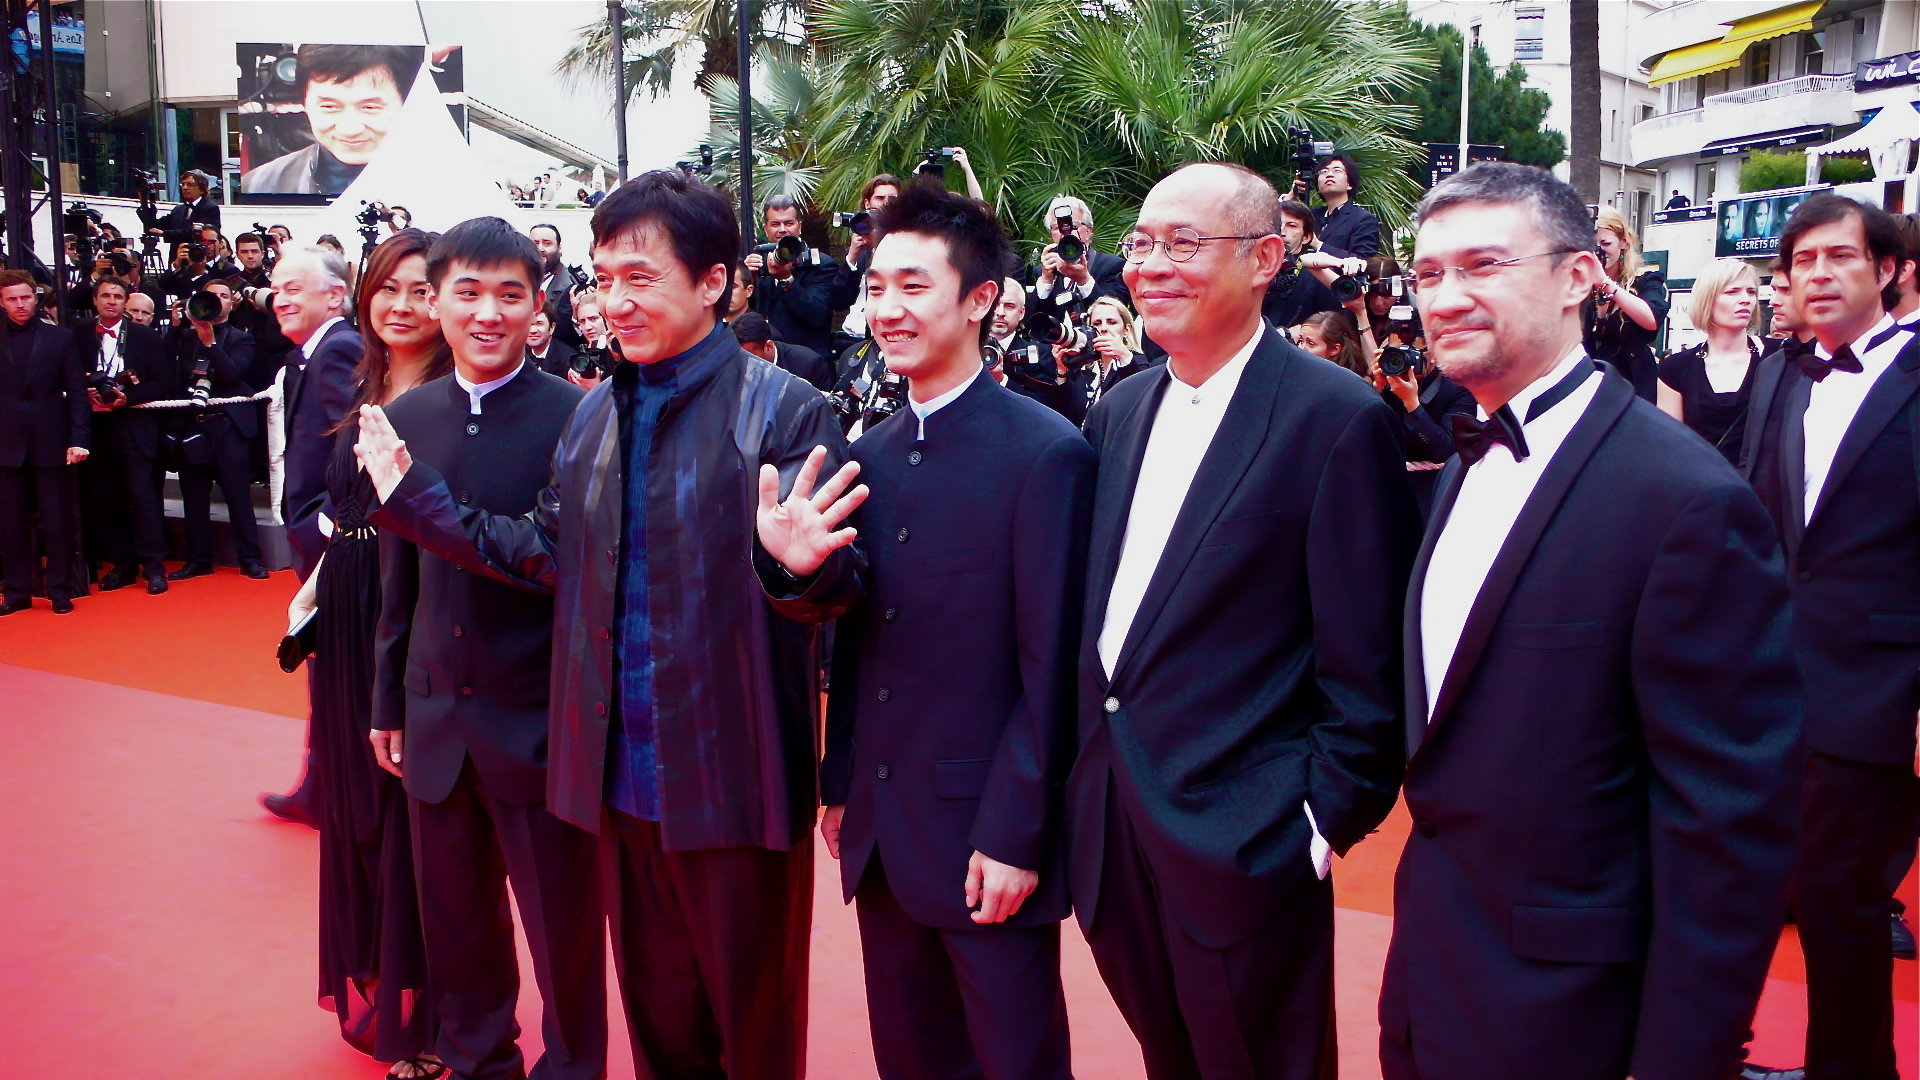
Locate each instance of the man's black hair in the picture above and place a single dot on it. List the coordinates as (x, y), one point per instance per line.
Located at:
(482, 242)
(555, 229)
(696, 219)
(249, 238)
(1883, 236)
(1353, 172)
(121, 282)
(547, 309)
(340, 63)
(1302, 213)
(751, 328)
(976, 244)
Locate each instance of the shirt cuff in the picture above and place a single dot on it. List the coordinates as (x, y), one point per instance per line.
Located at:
(1318, 849)
(326, 525)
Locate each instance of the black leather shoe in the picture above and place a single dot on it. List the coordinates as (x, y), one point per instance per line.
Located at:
(1902, 939)
(118, 578)
(1761, 1072)
(8, 607)
(284, 808)
(190, 570)
(156, 582)
(255, 570)
(62, 605)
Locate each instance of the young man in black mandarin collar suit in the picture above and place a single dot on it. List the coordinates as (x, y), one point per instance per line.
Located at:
(461, 688)
(1603, 711)
(1831, 448)
(1239, 696)
(45, 426)
(943, 794)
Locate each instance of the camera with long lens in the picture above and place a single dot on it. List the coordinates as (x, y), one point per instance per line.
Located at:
(1397, 360)
(860, 221)
(788, 249)
(1063, 327)
(1070, 247)
(260, 296)
(704, 168)
(592, 362)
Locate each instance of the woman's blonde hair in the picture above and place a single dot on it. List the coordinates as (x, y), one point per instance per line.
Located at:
(1129, 331)
(1614, 221)
(1711, 283)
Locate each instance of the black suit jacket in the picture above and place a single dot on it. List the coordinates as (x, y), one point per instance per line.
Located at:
(1854, 566)
(800, 308)
(178, 224)
(1262, 669)
(1107, 281)
(560, 295)
(809, 364)
(461, 660)
(1351, 232)
(43, 396)
(950, 723)
(228, 360)
(558, 360)
(1604, 801)
(156, 377)
(318, 393)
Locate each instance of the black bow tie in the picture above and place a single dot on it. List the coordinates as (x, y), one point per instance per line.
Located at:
(1473, 437)
(1818, 369)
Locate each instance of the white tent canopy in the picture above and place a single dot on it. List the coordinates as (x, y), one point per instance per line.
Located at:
(1888, 138)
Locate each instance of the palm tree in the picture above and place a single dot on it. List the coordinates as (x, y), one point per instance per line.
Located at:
(784, 96)
(664, 30)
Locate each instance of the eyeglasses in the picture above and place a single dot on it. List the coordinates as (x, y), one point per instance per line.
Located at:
(1480, 270)
(1182, 246)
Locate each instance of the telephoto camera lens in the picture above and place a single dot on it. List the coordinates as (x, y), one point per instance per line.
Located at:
(203, 306)
(1070, 248)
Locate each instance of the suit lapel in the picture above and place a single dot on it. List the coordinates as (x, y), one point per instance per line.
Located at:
(1884, 401)
(1611, 401)
(1411, 639)
(1243, 428)
(1793, 456)
(1121, 453)
(1766, 383)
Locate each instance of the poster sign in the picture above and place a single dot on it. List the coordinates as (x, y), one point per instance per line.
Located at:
(1750, 226)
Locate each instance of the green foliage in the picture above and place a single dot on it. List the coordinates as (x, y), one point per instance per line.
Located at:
(1505, 111)
(1835, 169)
(665, 30)
(1098, 99)
(1766, 169)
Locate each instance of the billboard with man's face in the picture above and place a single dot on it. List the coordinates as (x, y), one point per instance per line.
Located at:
(312, 117)
(1750, 227)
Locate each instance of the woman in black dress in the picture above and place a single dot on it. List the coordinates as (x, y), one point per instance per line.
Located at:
(373, 971)
(1626, 311)
(1705, 387)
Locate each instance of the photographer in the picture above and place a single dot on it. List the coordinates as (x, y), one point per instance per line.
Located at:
(1070, 271)
(120, 502)
(850, 292)
(1301, 288)
(253, 313)
(195, 208)
(1092, 371)
(594, 359)
(1347, 229)
(213, 359)
(794, 284)
(189, 272)
(1424, 399)
(557, 283)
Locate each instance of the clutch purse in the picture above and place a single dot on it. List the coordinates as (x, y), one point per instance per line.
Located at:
(298, 644)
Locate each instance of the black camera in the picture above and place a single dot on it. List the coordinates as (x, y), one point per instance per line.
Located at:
(1307, 152)
(1397, 360)
(592, 362)
(204, 306)
(1349, 287)
(788, 249)
(1070, 248)
(80, 219)
(704, 168)
(1062, 327)
(198, 252)
(934, 163)
(860, 221)
(872, 392)
(109, 388)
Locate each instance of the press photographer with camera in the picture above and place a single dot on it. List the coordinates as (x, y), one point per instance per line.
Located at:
(1069, 270)
(793, 285)
(195, 208)
(1422, 397)
(1302, 287)
(594, 359)
(1347, 229)
(253, 312)
(191, 269)
(850, 291)
(213, 358)
(120, 503)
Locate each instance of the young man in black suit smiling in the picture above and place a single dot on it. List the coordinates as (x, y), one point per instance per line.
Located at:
(942, 794)
(461, 690)
(1602, 709)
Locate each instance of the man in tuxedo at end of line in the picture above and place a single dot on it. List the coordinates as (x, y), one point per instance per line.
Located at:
(1603, 707)
(45, 429)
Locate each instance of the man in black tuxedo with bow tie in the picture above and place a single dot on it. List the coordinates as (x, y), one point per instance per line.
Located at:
(1239, 668)
(45, 426)
(121, 483)
(1831, 449)
(1603, 710)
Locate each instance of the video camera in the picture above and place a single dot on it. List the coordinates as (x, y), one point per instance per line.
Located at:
(934, 163)
(789, 249)
(705, 168)
(1307, 152)
(860, 221)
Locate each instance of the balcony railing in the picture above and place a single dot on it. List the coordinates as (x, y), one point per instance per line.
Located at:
(1774, 91)
(1671, 121)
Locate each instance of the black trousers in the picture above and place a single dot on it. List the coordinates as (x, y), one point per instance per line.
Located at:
(106, 518)
(1259, 1010)
(25, 489)
(1855, 818)
(466, 849)
(977, 1004)
(232, 470)
(711, 949)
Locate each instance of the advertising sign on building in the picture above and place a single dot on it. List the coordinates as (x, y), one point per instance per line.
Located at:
(1750, 226)
(1886, 71)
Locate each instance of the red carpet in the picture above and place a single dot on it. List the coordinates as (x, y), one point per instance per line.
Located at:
(155, 923)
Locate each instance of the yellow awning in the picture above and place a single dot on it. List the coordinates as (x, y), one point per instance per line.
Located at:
(1776, 23)
(1701, 59)
(1711, 56)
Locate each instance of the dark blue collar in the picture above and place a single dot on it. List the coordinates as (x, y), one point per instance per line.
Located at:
(684, 371)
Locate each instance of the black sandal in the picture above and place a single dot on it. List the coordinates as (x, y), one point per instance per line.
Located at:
(426, 1066)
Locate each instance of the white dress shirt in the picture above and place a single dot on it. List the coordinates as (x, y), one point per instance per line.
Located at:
(1834, 401)
(312, 343)
(108, 341)
(476, 391)
(923, 410)
(1492, 494)
(856, 321)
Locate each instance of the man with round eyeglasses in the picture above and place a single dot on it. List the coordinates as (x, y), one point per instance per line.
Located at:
(1239, 673)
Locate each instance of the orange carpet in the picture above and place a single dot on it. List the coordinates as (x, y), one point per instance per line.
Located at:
(155, 923)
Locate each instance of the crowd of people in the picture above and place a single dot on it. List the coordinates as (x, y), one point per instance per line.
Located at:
(1111, 572)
